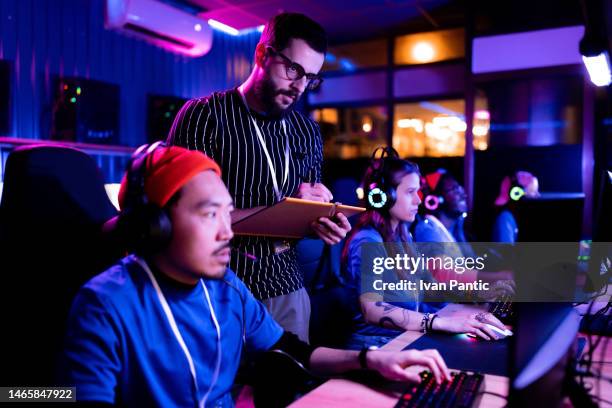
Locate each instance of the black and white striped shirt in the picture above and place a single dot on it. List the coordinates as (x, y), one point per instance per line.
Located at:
(220, 125)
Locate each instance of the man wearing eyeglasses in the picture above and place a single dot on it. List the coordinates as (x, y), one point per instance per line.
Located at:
(267, 151)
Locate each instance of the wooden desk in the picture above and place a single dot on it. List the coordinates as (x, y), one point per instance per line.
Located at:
(346, 393)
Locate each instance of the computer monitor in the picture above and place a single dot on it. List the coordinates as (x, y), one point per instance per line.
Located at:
(85, 111)
(544, 349)
(161, 111)
(541, 352)
(553, 217)
(603, 212)
(600, 251)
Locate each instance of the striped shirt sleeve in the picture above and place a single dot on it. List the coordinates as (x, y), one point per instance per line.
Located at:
(195, 127)
(318, 152)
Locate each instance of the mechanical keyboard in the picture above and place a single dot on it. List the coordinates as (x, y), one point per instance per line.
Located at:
(460, 392)
(503, 310)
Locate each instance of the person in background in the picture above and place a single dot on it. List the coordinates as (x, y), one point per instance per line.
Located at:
(445, 208)
(268, 150)
(391, 187)
(512, 189)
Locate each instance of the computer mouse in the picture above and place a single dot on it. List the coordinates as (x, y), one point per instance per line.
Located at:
(499, 332)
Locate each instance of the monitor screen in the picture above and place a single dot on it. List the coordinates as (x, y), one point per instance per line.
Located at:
(85, 111)
(161, 111)
(599, 257)
(541, 351)
(603, 212)
(551, 218)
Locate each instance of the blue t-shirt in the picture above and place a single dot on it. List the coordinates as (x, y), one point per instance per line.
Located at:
(425, 230)
(120, 347)
(353, 274)
(505, 228)
(430, 229)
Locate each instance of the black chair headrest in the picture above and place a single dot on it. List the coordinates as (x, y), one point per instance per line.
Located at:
(53, 185)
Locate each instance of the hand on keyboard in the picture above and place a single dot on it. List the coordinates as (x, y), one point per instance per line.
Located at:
(392, 365)
(460, 391)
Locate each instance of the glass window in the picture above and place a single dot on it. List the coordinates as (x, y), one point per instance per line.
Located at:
(535, 111)
(437, 128)
(423, 48)
(350, 133)
(349, 57)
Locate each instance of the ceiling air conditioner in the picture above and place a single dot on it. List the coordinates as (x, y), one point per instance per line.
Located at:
(161, 24)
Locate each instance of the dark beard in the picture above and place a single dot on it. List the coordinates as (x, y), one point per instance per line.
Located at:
(266, 93)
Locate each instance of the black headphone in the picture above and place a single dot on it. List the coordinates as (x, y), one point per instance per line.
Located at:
(145, 226)
(379, 193)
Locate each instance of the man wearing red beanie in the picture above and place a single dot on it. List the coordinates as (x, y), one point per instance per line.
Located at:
(166, 326)
(268, 151)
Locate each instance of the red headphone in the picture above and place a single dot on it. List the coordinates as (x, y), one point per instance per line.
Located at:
(431, 200)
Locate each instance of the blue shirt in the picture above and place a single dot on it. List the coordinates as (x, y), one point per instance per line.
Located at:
(505, 228)
(430, 229)
(120, 347)
(426, 230)
(353, 275)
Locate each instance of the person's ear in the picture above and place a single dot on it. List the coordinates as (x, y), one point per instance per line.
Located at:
(261, 53)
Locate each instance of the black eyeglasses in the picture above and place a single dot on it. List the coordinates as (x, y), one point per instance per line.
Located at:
(295, 71)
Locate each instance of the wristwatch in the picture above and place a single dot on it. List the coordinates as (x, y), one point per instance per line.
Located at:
(362, 356)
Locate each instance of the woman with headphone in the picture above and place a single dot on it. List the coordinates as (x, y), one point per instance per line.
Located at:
(512, 189)
(391, 187)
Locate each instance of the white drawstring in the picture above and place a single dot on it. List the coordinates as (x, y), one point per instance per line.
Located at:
(179, 337)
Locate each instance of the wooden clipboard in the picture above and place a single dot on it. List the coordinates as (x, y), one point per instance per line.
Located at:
(289, 218)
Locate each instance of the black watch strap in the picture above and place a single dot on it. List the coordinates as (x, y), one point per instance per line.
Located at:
(362, 358)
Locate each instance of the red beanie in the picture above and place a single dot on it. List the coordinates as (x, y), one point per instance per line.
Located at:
(168, 170)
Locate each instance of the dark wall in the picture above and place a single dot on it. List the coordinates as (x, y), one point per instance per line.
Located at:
(47, 38)
(557, 167)
(342, 177)
(5, 80)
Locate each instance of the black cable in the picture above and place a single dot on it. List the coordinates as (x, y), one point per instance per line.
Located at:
(589, 355)
(594, 346)
(294, 360)
(588, 361)
(603, 351)
(603, 310)
(598, 376)
(600, 292)
(578, 393)
(494, 394)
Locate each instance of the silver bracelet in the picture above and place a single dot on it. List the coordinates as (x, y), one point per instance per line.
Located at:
(424, 322)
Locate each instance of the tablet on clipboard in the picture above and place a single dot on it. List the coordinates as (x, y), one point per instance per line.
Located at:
(289, 218)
